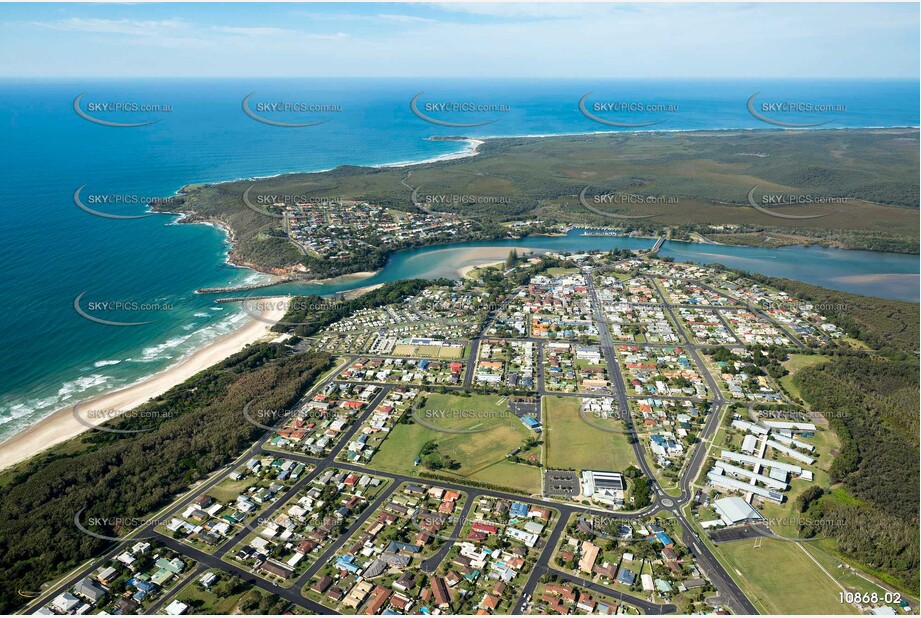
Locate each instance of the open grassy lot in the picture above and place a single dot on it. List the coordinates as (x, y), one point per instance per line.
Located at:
(206, 602)
(203, 601)
(854, 577)
(558, 271)
(429, 351)
(573, 443)
(228, 490)
(477, 432)
(779, 578)
(793, 364)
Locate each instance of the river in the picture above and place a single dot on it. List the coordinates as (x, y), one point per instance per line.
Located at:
(885, 275)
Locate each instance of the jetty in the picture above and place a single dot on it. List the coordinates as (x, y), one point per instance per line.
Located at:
(244, 288)
(602, 231)
(237, 299)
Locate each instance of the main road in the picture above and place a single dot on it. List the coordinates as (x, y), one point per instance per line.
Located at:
(724, 584)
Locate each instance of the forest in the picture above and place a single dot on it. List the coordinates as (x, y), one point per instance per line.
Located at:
(872, 405)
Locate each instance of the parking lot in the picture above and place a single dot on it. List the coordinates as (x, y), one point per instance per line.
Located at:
(561, 483)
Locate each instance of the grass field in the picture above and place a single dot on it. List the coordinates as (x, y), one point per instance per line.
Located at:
(573, 443)
(850, 577)
(429, 351)
(779, 578)
(556, 271)
(228, 490)
(494, 433)
(205, 602)
(793, 364)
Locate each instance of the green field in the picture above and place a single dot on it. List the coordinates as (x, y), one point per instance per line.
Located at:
(493, 433)
(228, 490)
(206, 602)
(558, 271)
(793, 364)
(202, 601)
(429, 351)
(779, 578)
(573, 443)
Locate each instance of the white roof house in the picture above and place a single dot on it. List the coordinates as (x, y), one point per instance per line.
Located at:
(176, 608)
(65, 602)
(734, 510)
(749, 444)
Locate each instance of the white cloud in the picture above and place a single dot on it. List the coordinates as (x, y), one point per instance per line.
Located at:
(493, 40)
(540, 10)
(406, 19)
(269, 32)
(131, 27)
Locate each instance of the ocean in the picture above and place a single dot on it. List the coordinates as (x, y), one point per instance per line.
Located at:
(147, 269)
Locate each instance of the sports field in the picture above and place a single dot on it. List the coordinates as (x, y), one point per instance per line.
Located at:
(780, 578)
(488, 432)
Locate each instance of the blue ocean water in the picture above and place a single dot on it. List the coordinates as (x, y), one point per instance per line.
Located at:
(52, 251)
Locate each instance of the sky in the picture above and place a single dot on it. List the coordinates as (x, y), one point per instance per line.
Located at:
(532, 40)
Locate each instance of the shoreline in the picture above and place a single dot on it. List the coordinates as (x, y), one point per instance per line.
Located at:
(61, 425)
(466, 270)
(470, 150)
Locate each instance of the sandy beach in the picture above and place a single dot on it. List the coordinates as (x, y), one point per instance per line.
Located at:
(466, 270)
(61, 425)
(468, 260)
(350, 294)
